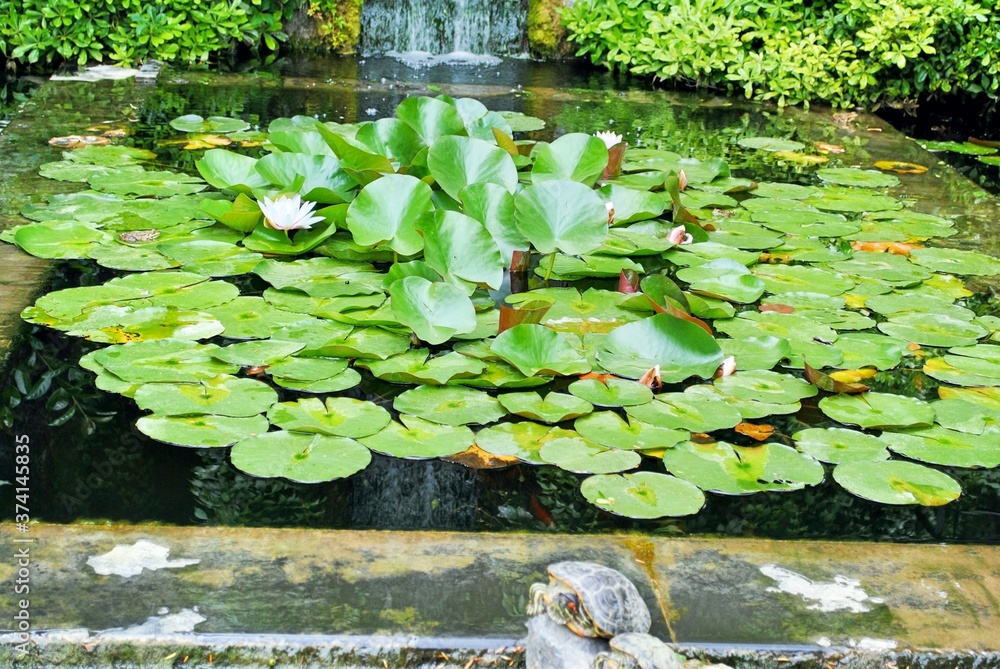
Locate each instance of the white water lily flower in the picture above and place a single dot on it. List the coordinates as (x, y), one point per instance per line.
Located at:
(288, 213)
(679, 235)
(610, 138)
(728, 366)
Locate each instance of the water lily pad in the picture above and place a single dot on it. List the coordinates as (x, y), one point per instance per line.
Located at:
(837, 445)
(431, 118)
(222, 395)
(774, 189)
(145, 184)
(434, 311)
(419, 439)
(897, 482)
(932, 329)
(679, 347)
(257, 353)
(456, 162)
(553, 408)
(117, 325)
(963, 371)
(878, 410)
(741, 470)
(561, 215)
(522, 123)
(68, 170)
(957, 414)
(248, 317)
(744, 235)
(869, 349)
(643, 495)
(967, 148)
(574, 156)
(211, 257)
(956, 261)
(770, 144)
(793, 327)
(852, 176)
(522, 440)
(109, 155)
(535, 349)
(201, 431)
(414, 366)
(856, 200)
(630, 204)
(885, 267)
(339, 417)
(681, 411)
(459, 247)
(227, 170)
(799, 278)
(762, 352)
(62, 241)
(306, 369)
(306, 458)
(163, 360)
(941, 446)
(493, 206)
(725, 279)
(450, 405)
(582, 456)
(765, 386)
(213, 124)
(607, 429)
(386, 211)
(611, 392)
(346, 379)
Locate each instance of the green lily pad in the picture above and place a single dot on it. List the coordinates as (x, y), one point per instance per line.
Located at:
(643, 495)
(957, 414)
(257, 353)
(306, 458)
(725, 279)
(765, 386)
(386, 211)
(940, 446)
(222, 395)
(612, 392)
(68, 170)
(607, 429)
(869, 349)
(748, 409)
(561, 215)
(419, 439)
(630, 204)
(679, 347)
(434, 311)
(852, 176)
(522, 123)
(339, 417)
(964, 371)
(793, 327)
(109, 155)
(456, 162)
(219, 125)
(201, 431)
(741, 470)
(460, 248)
(762, 352)
(493, 206)
(681, 411)
(744, 235)
(62, 241)
(770, 144)
(799, 278)
(897, 482)
(553, 408)
(117, 325)
(346, 379)
(211, 257)
(837, 445)
(774, 189)
(414, 366)
(574, 156)
(305, 369)
(163, 360)
(226, 170)
(535, 349)
(431, 118)
(932, 329)
(144, 184)
(522, 440)
(315, 178)
(582, 456)
(450, 405)
(878, 410)
(967, 148)
(855, 200)
(249, 317)
(571, 268)
(956, 261)
(701, 252)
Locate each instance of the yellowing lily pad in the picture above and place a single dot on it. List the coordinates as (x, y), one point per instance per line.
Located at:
(897, 482)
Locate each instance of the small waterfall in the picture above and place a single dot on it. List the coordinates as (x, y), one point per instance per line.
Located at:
(444, 26)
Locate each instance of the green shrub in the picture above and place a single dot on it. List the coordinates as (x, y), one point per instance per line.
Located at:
(127, 31)
(848, 52)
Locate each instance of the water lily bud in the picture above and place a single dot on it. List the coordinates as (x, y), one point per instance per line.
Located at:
(728, 366)
(679, 235)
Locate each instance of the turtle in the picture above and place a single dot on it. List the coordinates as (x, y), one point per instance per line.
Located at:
(637, 651)
(591, 600)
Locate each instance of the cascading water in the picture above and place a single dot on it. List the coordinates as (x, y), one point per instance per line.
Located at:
(494, 27)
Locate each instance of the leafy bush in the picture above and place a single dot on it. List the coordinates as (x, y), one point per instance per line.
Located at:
(846, 52)
(127, 31)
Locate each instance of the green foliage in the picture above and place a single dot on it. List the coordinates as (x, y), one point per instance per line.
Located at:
(129, 31)
(338, 23)
(846, 52)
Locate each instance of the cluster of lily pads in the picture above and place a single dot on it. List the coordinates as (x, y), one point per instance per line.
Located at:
(426, 221)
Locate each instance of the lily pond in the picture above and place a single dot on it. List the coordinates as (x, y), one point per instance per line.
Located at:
(334, 305)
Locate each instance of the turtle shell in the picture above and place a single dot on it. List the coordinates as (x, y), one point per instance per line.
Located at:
(607, 596)
(647, 651)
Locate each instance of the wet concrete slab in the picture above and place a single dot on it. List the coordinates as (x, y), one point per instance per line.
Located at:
(147, 582)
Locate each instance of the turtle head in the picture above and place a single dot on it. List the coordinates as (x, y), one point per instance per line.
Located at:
(565, 608)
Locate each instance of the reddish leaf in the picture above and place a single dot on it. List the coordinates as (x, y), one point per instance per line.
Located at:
(829, 384)
(992, 143)
(528, 312)
(615, 155)
(477, 458)
(754, 431)
(628, 281)
(823, 147)
(779, 308)
(674, 311)
(598, 376)
(702, 438)
(882, 247)
(520, 261)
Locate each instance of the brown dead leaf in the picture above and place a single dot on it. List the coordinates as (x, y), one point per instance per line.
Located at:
(853, 375)
(826, 382)
(78, 141)
(900, 167)
(477, 458)
(899, 248)
(913, 346)
(755, 431)
(824, 147)
(603, 378)
(779, 308)
(652, 378)
(702, 438)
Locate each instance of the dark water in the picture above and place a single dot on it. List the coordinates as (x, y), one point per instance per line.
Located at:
(98, 466)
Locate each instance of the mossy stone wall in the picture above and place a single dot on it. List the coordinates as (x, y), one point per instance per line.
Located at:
(330, 25)
(546, 34)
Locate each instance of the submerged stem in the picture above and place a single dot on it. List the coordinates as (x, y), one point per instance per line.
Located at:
(552, 263)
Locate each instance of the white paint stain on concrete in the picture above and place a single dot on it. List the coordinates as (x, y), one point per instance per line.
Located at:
(843, 594)
(181, 622)
(128, 561)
